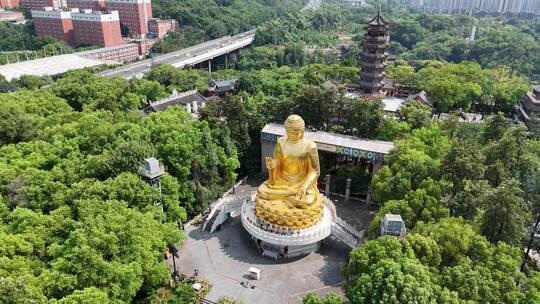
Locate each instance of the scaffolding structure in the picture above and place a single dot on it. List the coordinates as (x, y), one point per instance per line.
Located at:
(153, 170)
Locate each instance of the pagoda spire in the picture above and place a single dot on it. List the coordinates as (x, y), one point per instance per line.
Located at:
(374, 55)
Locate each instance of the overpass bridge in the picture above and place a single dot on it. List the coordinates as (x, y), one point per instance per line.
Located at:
(186, 57)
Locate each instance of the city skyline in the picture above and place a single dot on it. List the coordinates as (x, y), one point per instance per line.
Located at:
(488, 6)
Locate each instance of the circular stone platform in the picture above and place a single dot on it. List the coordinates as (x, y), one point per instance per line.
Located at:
(285, 242)
(279, 214)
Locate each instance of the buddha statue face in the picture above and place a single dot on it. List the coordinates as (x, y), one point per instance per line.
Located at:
(294, 126)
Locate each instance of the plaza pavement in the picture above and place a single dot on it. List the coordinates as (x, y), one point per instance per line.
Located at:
(225, 256)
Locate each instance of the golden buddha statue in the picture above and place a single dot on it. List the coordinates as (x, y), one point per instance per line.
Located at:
(290, 198)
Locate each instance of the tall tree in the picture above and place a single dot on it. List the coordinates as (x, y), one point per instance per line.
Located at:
(315, 105)
(454, 86)
(506, 213)
(417, 115)
(364, 117)
(508, 89)
(463, 162)
(229, 115)
(386, 271)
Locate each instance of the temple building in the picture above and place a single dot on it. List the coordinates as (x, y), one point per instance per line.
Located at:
(192, 101)
(375, 53)
(530, 104)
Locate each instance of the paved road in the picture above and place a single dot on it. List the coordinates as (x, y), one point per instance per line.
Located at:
(191, 55)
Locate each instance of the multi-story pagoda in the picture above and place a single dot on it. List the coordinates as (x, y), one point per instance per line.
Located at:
(373, 58)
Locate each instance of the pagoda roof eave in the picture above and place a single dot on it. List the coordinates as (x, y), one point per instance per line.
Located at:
(378, 20)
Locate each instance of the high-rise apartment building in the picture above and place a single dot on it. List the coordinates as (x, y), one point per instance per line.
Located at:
(96, 28)
(79, 28)
(41, 4)
(95, 5)
(487, 6)
(134, 15)
(55, 23)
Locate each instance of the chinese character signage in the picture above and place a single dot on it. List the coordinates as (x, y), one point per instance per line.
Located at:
(353, 152)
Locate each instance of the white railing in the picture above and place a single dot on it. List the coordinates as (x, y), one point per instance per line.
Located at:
(232, 204)
(346, 237)
(219, 203)
(298, 237)
(342, 236)
(211, 54)
(330, 224)
(347, 234)
(342, 230)
(349, 228)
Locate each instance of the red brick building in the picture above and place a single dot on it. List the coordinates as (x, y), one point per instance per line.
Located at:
(144, 45)
(160, 28)
(134, 15)
(12, 16)
(55, 23)
(95, 5)
(97, 28)
(9, 3)
(119, 53)
(41, 4)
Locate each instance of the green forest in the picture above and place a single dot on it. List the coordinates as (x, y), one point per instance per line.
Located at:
(414, 37)
(209, 19)
(77, 223)
(71, 149)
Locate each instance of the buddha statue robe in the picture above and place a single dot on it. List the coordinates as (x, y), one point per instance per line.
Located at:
(290, 197)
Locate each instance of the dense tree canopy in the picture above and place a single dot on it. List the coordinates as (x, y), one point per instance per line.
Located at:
(218, 17)
(446, 262)
(77, 223)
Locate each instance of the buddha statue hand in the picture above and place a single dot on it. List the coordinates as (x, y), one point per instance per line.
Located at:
(300, 195)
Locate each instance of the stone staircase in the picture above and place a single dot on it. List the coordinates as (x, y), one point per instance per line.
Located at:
(222, 209)
(343, 231)
(346, 233)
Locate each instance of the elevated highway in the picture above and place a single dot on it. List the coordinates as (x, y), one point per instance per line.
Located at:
(185, 57)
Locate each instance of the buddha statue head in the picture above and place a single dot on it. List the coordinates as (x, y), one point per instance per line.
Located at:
(294, 127)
